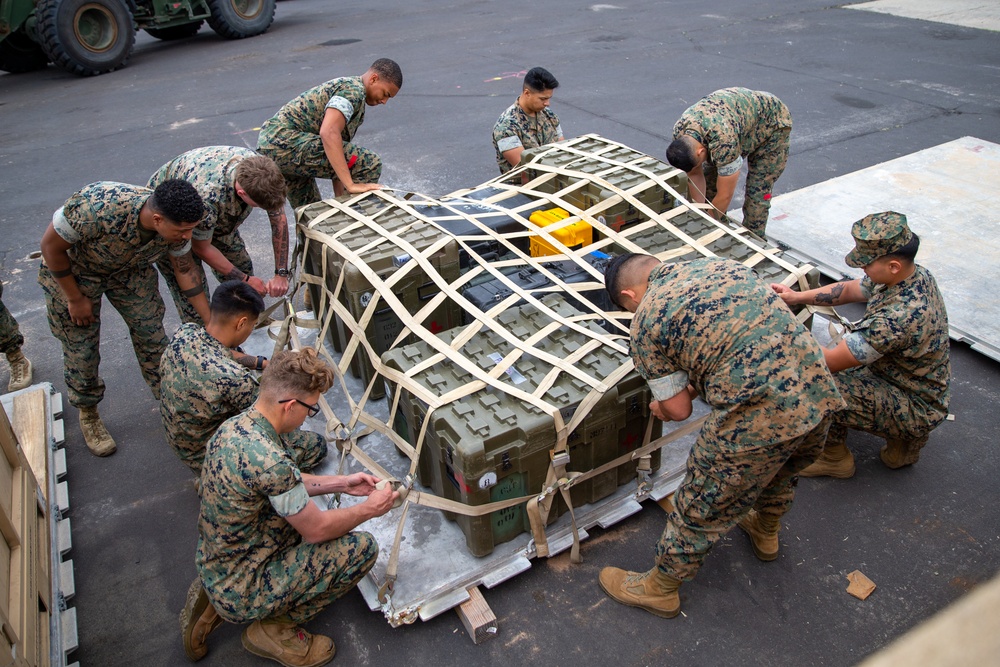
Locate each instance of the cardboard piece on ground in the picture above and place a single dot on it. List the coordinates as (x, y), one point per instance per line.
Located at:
(861, 586)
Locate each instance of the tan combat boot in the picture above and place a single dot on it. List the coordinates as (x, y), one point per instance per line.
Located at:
(96, 436)
(835, 461)
(198, 619)
(653, 591)
(899, 453)
(20, 370)
(763, 531)
(281, 640)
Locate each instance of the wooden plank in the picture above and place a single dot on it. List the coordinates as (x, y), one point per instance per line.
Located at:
(30, 425)
(477, 617)
(666, 503)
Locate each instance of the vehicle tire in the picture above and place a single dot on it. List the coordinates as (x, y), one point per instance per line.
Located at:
(236, 19)
(176, 31)
(86, 37)
(19, 53)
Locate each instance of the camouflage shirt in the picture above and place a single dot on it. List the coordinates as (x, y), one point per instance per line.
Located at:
(212, 171)
(248, 485)
(712, 323)
(732, 123)
(516, 129)
(101, 222)
(903, 339)
(305, 113)
(201, 386)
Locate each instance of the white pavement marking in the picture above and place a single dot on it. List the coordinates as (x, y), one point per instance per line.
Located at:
(969, 13)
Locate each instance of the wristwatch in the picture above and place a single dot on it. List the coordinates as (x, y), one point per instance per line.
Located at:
(284, 273)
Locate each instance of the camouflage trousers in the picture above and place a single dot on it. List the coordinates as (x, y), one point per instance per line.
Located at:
(10, 334)
(302, 159)
(764, 166)
(136, 297)
(299, 581)
(308, 448)
(723, 483)
(877, 407)
(232, 247)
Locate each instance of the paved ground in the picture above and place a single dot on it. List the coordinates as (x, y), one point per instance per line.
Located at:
(862, 87)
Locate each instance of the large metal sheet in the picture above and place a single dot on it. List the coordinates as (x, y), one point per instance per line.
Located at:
(947, 193)
(967, 13)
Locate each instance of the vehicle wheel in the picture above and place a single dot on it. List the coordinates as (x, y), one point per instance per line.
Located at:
(19, 53)
(176, 31)
(236, 19)
(86, 37)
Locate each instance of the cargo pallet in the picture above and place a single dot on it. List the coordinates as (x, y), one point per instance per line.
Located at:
(38, 626)
(424, 567)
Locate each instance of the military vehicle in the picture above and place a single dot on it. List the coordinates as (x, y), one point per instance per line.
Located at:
(90, 37)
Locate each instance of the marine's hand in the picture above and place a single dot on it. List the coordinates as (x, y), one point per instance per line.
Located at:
(257, 284)
(81, 311)
(658, 412)
(382, 500)
(360, 484)
(277, 286)
(786, 293)
(358, 188)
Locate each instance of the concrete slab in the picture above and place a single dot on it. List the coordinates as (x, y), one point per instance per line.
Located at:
(968, 13)
(948, 196)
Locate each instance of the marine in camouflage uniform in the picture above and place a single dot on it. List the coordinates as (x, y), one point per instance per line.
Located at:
(528, 122)
(10, 334)
(252, 562)
(212, 171)
(710, 327)
(732, 124)
(202, 386)
(893, 367)
(292, 136)
(112, 256)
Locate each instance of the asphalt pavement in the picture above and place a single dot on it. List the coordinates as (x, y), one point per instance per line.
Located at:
(863, 88)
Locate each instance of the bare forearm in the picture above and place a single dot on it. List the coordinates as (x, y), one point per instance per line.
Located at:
(830, 295)
(212, 256)
(279, 238)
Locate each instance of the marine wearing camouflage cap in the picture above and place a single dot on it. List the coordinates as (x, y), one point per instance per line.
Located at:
(877, 235)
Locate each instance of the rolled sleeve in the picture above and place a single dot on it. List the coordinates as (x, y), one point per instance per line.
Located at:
(343, 105)
(861, 348)
(63, 228)
(509, 143)
(731, 168)
(290, 502)
(668, 386)
(180, 250)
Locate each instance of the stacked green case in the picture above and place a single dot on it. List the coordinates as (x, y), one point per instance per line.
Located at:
(489, 446)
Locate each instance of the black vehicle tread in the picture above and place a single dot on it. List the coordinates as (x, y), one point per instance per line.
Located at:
(47, 13)
(222, 26)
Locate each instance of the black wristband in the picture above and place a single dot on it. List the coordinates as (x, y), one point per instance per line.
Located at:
(61, 274)
(194, 291)
(284, 273)
(260, 363)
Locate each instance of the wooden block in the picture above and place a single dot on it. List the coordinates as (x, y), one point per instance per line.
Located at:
(666, 503)
(30, 425)
(477, 617)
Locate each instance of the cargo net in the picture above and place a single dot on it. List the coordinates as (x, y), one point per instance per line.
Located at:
(483, 313)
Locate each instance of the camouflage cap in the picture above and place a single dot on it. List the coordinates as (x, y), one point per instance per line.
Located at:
(877, 235)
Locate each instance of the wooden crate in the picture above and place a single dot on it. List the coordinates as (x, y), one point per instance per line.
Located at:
(25, 558)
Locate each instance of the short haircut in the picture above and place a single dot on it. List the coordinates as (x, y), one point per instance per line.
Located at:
(234, 298)
(177, 201)
(389, 70)
(908, 253)
(296, 372)
(263, 182)
(681, 153)
(539, 79)
(622, 272)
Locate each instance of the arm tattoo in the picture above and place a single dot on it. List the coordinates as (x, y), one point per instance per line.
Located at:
(185, 263)
(246, 360)
(279, 240)
(833, 297)
(235, 274)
